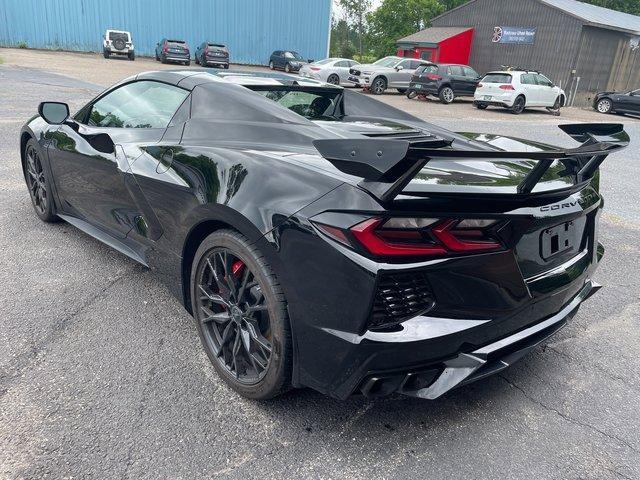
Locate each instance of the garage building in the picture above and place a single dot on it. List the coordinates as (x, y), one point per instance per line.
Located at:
(582, 47)
(251, 28)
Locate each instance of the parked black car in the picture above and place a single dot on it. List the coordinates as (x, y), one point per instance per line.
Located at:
(212, 54)
(287, 60)
(173, 51)
(444, 80)
(612, 102)
(305, 229)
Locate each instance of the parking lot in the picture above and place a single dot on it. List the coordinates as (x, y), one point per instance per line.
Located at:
(102, 374)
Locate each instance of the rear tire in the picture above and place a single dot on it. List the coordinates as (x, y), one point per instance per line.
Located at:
(604, 105)
(481, 106)
(163, 59)
(519, 105)
(446, 95)
(106, 53)
(333, 79)
(287, 68)
(402, 90)
(271, 66)
(411, 94)
(132, 56)
(265, 333)
(226, 66)
(38, 183)
(197, 61)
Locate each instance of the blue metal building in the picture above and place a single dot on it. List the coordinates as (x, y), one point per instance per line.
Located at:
(251, 28)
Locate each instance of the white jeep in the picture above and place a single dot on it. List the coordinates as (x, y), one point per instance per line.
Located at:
(117, 42)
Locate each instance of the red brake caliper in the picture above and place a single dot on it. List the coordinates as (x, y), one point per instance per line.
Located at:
(237, 268)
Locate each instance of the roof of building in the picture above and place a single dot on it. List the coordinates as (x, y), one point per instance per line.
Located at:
(433, 34)
(600, 16)
(591, 14)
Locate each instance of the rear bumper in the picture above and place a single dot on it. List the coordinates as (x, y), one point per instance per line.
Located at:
(427, 88)
(172, 57)
(434, 381)
(216, 61)
(499, 100)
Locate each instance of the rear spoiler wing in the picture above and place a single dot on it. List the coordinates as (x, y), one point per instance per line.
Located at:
(387, 166)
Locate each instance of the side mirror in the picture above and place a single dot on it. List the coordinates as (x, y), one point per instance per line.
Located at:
(54, 113)
(399, 67)
(310, 60)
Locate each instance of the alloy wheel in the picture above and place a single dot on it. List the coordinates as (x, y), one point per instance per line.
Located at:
(233, 314)
(518, 105)
(36, 180)
(378, 87)
(333, 79)
(604, 106)
(447, 95)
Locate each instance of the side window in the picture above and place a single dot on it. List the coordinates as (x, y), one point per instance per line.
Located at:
(456, 70)
(406, 64)
(143, 104)
(415, 64)
(527, 79)
(341, 63)
(353, 63)
(470, 72)
(544, 81)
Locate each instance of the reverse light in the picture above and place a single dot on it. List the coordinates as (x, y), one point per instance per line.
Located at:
(399, 237)
(506, 87)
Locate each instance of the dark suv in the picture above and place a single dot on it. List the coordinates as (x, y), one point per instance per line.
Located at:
(173, 51)
(287, 60)
(216, 54)
(445, 80)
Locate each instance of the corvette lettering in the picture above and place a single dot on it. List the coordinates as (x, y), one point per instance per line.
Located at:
(558, 206)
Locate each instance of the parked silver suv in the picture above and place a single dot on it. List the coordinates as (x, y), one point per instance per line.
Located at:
(388, 72)
(117, 42)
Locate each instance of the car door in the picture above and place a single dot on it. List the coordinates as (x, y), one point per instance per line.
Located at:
(547, 94)
(531, 89)
(397, 75)
(90, 159)
(457, 79)
(471, 79)
(634, 100)
(627, 102)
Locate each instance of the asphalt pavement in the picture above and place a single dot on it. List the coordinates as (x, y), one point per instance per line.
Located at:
(102, 374)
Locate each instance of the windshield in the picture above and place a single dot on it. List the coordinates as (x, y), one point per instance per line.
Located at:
(388, 62)
(295, 55)
(312, 104)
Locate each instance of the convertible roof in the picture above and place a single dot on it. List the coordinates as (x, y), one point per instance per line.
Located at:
(190, 78)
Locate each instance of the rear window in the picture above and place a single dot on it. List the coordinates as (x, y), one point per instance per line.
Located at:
(176, 42)
(497, 78)
(217, 45)
(426, 69)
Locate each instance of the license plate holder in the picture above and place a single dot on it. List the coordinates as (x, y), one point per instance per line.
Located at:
(557, 240)
(487, 97)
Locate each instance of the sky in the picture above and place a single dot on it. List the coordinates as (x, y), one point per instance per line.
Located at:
(338, 11)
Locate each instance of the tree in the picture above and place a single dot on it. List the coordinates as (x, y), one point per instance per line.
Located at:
(395, 19)
(356, 11)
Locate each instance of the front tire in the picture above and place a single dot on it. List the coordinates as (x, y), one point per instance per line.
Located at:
(446, 95)
(241, 315)
(604, 105)
(271, 66)
(37, 183)
(106, 53)
(132, 56)
(378, 86)
(287, 68)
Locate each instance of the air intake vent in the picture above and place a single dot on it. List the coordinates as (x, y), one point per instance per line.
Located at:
(400, 296)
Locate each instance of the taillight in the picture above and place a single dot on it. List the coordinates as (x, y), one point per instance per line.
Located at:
(165, 49)
(315, 69)
(206, 50)
(434, 77)
(506, 87)
(479, 85)
(417, 237)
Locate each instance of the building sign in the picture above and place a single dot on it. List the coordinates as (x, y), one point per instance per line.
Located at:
(521, 35)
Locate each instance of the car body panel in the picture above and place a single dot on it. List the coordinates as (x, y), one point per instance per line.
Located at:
(323, 71)
(398, 74)
(537, 89)
(231, 158)
(627, 102)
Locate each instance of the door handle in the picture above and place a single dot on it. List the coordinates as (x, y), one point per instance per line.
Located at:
(166, 159)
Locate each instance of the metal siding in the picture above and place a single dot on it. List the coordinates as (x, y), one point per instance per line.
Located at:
(251, 28)
(556, 44)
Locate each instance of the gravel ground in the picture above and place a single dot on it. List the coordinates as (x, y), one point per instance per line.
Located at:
(102, 374)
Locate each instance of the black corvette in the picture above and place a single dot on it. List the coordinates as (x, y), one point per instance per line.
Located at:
(321, 238)
(613, 102)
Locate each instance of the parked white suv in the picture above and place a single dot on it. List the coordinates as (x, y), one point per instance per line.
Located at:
(388, 72)
(517, 90)
(117, 42)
